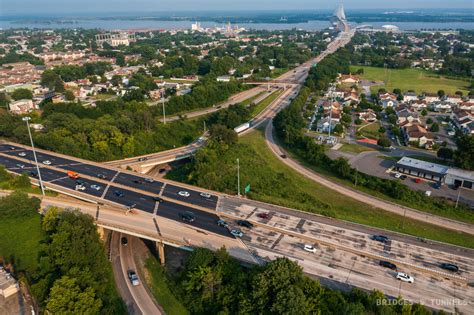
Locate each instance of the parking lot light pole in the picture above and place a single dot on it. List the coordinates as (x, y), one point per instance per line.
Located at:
(27, 120)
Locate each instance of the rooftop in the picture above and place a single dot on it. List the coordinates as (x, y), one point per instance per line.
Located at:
(423, 165)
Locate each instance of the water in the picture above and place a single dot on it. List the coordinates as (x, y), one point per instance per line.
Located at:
(115, 24)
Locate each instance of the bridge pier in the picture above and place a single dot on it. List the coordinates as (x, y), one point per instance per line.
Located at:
(101, 232)
(160, 247)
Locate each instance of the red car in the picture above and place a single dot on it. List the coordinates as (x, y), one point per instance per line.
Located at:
(263, 215)
(418, 180)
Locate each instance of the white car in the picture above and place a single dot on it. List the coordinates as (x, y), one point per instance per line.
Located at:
(149, 180)
(47, 162)
(237, 233)
(133, 278)
(20, 165)
(22, 154)
(405, 278)
(398, 175)
(184, 193)
(96, 187)
(205, 195)
(80, 187)
(310, 248)
(428, 193)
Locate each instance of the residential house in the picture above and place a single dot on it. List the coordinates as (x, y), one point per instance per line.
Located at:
(22, 107)
(324, 124)
(406, 115)
(367, 115)
(442, 106)
(430, 97)
(349, 79)
(418, 105)
(223, 78)
(468, 106)
(410, 96)
(388, 100)
(418, 134)
(456, 99)
(463, 120)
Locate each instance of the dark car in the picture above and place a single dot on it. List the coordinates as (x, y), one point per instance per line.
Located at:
(162, 170)
(33, 174)
(380, 238)
(283, 156)
(158, 199)
(263, 215)
(245, 223)
(80, 182)
(187, 217)
(124, 241)
(403, 177)
(450, 267)
(118, 193)
(138, 181)
(142, 159)
(387, 264)
(436, 185)
(101, 176)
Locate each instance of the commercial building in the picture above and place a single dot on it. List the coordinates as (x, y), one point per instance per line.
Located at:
(436, 172)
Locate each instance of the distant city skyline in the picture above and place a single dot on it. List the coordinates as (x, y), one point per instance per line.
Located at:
(31, 7)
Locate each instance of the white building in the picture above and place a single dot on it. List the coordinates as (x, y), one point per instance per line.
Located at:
(22, 107)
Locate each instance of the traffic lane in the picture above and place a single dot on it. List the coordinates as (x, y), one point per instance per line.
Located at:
(71, 184)
(55, 160)
(12, 164)
(8, 147)
(140, 201)
(91, 170)
(172, 191)
(202, 220)
(138, 182)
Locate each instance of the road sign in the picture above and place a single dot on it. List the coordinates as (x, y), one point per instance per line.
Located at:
(247, 189)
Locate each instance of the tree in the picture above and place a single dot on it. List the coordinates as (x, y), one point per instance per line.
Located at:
(338, 129)
(20, 94)
(223, 134)
(67, 297)
(464, 153)
(434, 127)
(358, 121)
(384, 142)
(69, 95)
(429, 121)
(445, 153)
(4, 100)
(424, 112)
(50, 79)
(441, 93)
(22, 181)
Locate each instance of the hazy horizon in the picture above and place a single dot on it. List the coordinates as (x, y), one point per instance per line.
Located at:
(107, 7)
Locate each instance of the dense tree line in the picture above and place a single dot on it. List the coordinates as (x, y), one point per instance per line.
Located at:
(215, 283)
(12, 57)
(326, 71)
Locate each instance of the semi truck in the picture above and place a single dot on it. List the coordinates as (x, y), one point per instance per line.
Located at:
(242, 127)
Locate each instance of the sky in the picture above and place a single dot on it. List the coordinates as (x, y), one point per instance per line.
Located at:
(31, 7)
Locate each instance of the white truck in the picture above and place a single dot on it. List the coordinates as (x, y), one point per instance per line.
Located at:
(242, 127)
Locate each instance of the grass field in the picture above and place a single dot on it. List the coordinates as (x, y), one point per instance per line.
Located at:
(161, 291)
(354, 148)
(251, 99)
(273, 182)
(411, 79)
(370, 131)
(20, 241)
(265, 102)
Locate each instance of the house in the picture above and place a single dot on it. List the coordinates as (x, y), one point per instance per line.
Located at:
(455, 99)
(418, 134)
(368, 115)
(22, 107)
(442, 106)
(349, 79)
(410, 96)
(336, 106)
(430, 97)
(418, 105)
(464, 121)
(388, 100)
(324, 123)
(406, 115)
(223, 78)
(467, 106)
(351, 97)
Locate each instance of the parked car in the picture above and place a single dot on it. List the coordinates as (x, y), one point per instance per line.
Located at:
(387, 264)
(187, 217)
(47, 162)
(428, 193)
(263, 215)
(398, 175)
(132, 275)
(405, 277)
(418, 180)
(449, 266)
(205, 195)
(437, 185)
(80, 187)
(222, 223)
(403, 177)
(118, 193)
(124, 241)
(309, 248)
(380, 238)
(245, 223)
(96, 187)
(237, 233)
(184, 193)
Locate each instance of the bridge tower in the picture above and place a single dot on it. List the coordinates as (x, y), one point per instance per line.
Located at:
(339, 19)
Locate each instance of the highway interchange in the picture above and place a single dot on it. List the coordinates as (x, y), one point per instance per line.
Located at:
(344, 253)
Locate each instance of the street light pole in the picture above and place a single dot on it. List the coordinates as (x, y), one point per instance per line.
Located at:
(238, 178)
(164, 114)
(457, 199)
(27, 120)
(331, 94)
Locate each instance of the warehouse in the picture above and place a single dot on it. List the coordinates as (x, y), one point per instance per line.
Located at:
(422, 169)
(460, 178)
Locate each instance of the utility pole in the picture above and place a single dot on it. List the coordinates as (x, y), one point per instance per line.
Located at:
(356, 177)
(164, 114)
(238, 178)
(331, 97)
(457, 199)
(27, 120)
(204, 126)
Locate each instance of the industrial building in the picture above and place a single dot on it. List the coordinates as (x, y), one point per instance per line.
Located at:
(436, 172)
